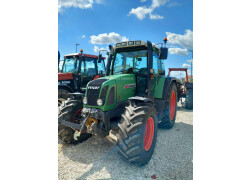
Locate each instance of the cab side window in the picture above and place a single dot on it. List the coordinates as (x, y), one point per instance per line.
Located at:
(157, 64)
(101, 67)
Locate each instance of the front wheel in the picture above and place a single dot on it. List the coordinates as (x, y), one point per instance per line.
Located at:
(137, 133)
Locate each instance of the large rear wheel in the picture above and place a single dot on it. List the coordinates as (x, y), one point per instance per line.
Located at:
(169, 112)
(70, 110)
(137, 133)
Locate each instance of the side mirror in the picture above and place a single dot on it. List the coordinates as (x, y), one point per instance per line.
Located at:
(163, 53)
(100, 58)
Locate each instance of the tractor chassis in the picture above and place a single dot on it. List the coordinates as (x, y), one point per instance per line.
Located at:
(101, 129)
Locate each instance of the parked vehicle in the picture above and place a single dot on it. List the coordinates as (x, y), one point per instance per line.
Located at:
(77, 70)
(132, 99)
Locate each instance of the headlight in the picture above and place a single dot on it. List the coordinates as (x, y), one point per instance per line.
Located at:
(99, 102)
(85, 101)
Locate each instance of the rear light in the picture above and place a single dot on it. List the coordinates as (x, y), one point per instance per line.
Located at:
(96, 77)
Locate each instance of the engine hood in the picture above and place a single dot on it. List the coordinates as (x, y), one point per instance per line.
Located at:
(111, 89)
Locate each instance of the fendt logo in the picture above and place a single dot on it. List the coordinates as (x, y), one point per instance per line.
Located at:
(93, 87)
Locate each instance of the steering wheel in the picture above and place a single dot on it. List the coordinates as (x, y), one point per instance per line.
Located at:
(143, 71)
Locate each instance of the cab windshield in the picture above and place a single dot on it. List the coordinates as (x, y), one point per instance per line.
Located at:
(130, 62)
(70, 65)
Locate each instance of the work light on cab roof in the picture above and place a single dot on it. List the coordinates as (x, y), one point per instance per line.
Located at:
(130, 43)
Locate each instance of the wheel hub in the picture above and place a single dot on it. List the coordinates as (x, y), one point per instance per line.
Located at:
(172, 105)
(149, 134)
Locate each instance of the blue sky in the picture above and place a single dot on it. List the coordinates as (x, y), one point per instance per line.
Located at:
(95, 24)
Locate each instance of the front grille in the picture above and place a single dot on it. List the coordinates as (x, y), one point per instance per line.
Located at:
(92, 93)
(111, 98)
(104, 93)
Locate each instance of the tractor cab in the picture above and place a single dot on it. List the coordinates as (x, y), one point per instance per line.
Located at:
(142, 59)
(77, 70)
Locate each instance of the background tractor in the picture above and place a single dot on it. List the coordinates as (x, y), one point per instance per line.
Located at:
(132, 100)
(186, 90)
(77, 70)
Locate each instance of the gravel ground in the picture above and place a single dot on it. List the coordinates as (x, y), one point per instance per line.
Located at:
(97, 157)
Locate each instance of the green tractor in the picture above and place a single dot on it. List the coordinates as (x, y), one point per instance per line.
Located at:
(131, 101)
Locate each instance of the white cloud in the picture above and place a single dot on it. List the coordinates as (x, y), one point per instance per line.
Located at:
(107, 38)
(82, 4)
(158, 3)
(185, 40)
(173, 4)
(97, 49)
(140, 12)
(156, 16)
(178, 51)
(178, 74)
(83, 36)
(190, 61)
(99, 1)
(186, 65)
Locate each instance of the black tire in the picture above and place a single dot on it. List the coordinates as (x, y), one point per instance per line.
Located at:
(63, 95)
(132, 128)
(189, 96)
(69, 110)
(167, 121)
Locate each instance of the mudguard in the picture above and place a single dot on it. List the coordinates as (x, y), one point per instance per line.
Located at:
(167, 83)
(142, 99)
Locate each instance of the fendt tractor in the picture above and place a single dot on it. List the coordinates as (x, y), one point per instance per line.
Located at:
(77, 70)
(132, 100)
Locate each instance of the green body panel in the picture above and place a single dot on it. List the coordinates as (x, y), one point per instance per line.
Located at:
(159, 87)
(122, 92)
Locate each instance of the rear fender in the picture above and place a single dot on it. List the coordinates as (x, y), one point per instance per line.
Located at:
(167, 84)
(140, 99)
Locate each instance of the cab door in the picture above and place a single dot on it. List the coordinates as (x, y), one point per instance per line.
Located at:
(158, 71)
(88, 71)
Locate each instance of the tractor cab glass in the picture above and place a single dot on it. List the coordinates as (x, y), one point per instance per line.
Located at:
(91, 67)
(88, 67)
(70, 65)
(130, 62)
(158, 65)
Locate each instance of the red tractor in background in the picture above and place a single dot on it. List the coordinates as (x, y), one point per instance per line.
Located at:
(77, 70)
(186, 88)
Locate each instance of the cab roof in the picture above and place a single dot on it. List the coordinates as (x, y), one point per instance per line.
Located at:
(87, 55)
(134, 43)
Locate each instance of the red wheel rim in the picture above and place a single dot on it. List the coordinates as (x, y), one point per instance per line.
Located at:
(149, 134)
(172, 105)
